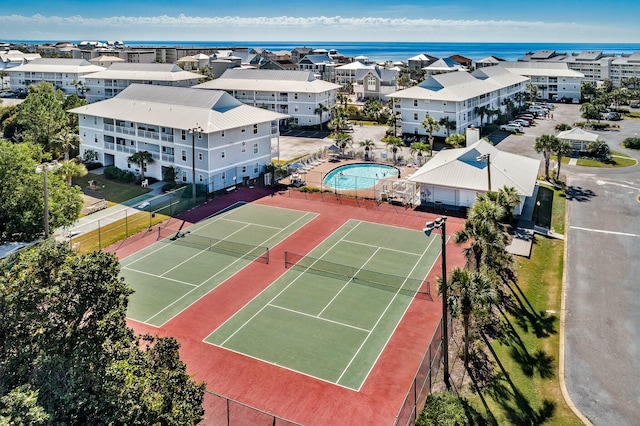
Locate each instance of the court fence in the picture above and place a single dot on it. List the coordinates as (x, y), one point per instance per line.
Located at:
(221, 410)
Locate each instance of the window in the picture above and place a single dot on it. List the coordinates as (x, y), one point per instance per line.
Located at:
(95, 138)
(222, 154)
(184, 155)
(415, 102)
(199, 135)
(295, 96)
(184, 176)
(95, 120)
(256, 167)
(255, 129)
(255, 148)
(223, 175)
(244, 169)
(200, 178)
(222, 133)
(244, 147)
(415, 116)
(244, 129)
(199, 156)
(183, 135)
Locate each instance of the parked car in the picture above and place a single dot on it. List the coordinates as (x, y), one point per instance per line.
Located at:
(527, 117)
(521, 122)
(612, 116)
(6, 95)
(511, 127)
(634, 104)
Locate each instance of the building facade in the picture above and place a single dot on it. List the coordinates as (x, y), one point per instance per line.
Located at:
(64, 74)
(205, 133)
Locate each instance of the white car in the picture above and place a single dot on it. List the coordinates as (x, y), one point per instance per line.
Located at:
(520, 122)
(511, 127)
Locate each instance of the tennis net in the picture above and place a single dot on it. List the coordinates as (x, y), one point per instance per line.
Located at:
(231, 248)
(394, 283)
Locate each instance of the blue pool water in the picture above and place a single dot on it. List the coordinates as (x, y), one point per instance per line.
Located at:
(358, 176)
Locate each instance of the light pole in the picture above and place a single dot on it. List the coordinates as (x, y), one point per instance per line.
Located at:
(193, 131)
(486, 157)
(44, 168)
(440, 223)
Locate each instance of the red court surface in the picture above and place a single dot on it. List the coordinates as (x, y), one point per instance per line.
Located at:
(279, 391)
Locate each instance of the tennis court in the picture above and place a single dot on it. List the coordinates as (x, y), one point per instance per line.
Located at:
(332, 312)
(184, 265)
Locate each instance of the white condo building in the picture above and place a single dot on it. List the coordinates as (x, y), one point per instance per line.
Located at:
(64, 74)
(456, 95)
(294, 93)
(107, 83)
(553, 80)
(228, 142)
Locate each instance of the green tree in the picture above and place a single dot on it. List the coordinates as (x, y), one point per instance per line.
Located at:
(588, 91)
(482, 111)
(141, 158)
(600, 149)
(372, 108)
(545, 144)
(561, 127)
(70, 169)
(521, 99)
(532, 91)
(368, 145)
(319, 111)
(448, 409)
(343, 140)
(64, 143)
(448, 124)
(22, 195)
(589, 111)
(395, 144)
(65, 335)
(20, 407)
(41, 116)
(431, 125)
(417, 148)
(456, 140)
(562, 149)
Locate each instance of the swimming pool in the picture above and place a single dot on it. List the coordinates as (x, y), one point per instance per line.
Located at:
(358, 176)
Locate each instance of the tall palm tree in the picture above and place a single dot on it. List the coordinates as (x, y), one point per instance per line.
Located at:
(320, 112)
(532, 90)
(395, 144)
(481, 111)
(448, 124)
(589, 110)
(67, 141)
(562, 149)
(471, 292)
(141, 158)
(431, 125)
(521, 99)
(545, 144)
(70, 169)
(343, 140)
(417, 148)
(367, 144)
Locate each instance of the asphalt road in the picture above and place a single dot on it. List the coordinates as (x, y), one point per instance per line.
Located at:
(602, 317)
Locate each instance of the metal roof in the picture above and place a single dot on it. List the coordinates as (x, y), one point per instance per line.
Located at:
(61, 65)
(453, 86)
(179, 108)
(269, 80)
(459, 168)
(577, 134)
(145, 72)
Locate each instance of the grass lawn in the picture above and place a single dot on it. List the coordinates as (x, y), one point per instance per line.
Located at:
(527, 389)
(618, 159)
(112, 191)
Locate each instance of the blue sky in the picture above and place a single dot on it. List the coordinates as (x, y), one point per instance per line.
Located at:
(571, 21)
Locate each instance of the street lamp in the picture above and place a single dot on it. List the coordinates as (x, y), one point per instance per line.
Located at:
(44, 168)
(440, 223)
(486, 157)
(193, 132)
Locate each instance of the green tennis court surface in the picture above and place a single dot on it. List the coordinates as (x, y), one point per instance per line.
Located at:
(173, 273)
(317, 321)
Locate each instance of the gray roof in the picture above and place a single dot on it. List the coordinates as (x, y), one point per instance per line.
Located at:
(269, 80)
(317, 59)
(499, 76)
(145, 72)
(454, 86)
(383, 74)
(459, 168)
(577, 134)
(72, 66)
(179, 108)
(555, 69)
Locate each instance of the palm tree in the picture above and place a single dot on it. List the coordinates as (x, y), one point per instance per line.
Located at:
(431, 125)
(448, 124)
(508, 198)
(510, 106)
(70, 169)
(521, 99)
(545, 144)
(141, 158)
(342, 141)
(532, 89)
(320, 111)
(395, 144)
(481, 111)
(417, 148)
(66, 141)
(456, 140)
(367, 145)
(562, 149)
(589, 110)
(470, 291)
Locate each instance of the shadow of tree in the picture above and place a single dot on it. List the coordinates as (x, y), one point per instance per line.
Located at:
(577, 193)
(526, 316)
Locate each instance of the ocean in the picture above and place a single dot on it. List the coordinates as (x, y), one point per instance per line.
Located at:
(401, 51)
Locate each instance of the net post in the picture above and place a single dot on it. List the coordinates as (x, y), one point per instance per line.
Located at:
(267, 255)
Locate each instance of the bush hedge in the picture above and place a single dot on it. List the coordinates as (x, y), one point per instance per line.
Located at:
(631, 143)
(114, 173)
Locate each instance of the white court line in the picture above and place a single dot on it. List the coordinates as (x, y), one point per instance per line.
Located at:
(234, 262)
(283, 290)
(602, 231)
(386, 248)
(249, 223)
(318, 317)
(380, 318)
(157, 276)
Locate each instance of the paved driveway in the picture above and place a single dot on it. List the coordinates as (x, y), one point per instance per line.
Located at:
(602, 319)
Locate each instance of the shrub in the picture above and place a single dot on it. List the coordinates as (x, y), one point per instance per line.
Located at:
(114, 173)
(631, 143)
(92, 165)
(448, 409)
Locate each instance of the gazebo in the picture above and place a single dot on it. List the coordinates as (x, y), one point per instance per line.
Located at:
(578, 138)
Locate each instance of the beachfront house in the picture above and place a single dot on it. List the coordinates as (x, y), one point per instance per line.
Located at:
(375, 82)
(453, 178)
(108, 83)
(322, 66)
(228, 142)
(65, 74)
(462, 97)
(294, 93)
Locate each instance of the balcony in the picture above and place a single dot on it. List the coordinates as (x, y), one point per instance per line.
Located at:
(166, 137)
(125, 130)
(168, 158)
(128, 150)
(110, 146)
(147, 134)
(108, 127)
